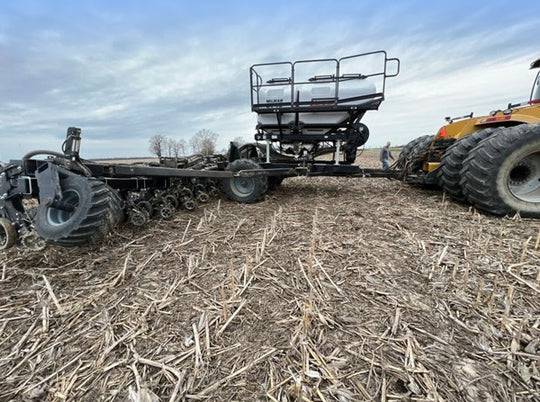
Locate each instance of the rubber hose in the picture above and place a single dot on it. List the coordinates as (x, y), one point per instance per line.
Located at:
(87, 172)
(42, 152)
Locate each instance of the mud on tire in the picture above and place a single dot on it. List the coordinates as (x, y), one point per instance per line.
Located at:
(96, 212)
(502, 174)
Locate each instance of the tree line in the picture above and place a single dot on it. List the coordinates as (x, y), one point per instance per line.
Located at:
(203, 142)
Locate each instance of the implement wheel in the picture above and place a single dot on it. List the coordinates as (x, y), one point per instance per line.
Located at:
(274, 182)
(245, 190)
(502, 174)
(91, 214)
(8, 234)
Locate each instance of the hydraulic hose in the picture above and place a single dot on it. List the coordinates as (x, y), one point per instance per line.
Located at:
(87, 172)
(31, 154)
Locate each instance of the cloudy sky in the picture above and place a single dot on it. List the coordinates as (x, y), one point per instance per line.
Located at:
(126, 70)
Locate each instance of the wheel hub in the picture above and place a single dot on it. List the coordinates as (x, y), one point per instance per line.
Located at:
(520, 174)
(524, 178)
(58, 216)
(243, 185)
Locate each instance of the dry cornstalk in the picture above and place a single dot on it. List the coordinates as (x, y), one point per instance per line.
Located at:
(53, 296)
(198, 353)
(179, 376)
(224, 327)
(523, 281)
(507, 305)
(525, 247)
(249, 366)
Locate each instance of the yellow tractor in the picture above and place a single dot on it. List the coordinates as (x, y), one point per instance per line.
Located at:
(491, 162)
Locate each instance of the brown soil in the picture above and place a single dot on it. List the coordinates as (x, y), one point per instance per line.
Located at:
(329, 290)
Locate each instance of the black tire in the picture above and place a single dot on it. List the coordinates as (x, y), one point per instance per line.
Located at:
(116, 213)
(213, 191)
(172, 200)
(8, 234)
(202, 197)
(418, 154)
(145, 206)
(448, 173)
(274, 182)
(185, 194)
(251, 151)
(166, 212)
(405, 154)
(92, 219)
(138, 218)
(189, 204)
(502, 174)
(246, 190)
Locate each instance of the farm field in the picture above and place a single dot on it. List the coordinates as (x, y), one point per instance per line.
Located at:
(331, 289)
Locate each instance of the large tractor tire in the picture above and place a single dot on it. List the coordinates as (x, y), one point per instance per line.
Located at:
(411, 161)
(95, 213)
(405, 154)
(116, 211)
(246, 190)
(448, 173)
(418, 154)
(502, 174)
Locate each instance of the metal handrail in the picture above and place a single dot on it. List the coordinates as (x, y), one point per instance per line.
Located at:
(257, 82)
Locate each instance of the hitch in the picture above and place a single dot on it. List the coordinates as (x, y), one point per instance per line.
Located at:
(15, 224)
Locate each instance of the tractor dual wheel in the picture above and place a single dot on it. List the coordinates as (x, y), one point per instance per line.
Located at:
(411, 149)
(417, 155)
(448, 173)
(248, 189)
(90, 213)
(502, 174)
(411, 162)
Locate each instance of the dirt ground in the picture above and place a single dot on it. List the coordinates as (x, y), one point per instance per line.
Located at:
(329, 290)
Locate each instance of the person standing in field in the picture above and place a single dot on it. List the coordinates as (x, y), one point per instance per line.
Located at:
(386, 153)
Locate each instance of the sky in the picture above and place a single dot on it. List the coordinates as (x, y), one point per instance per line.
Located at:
(124, 71)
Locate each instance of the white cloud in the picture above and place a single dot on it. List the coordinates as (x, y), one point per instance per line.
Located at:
(122, 82)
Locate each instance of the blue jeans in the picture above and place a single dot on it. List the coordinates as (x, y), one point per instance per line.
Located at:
(385, 164)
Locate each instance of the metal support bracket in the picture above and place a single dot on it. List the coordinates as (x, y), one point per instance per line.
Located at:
(48, 178)
(338, 152)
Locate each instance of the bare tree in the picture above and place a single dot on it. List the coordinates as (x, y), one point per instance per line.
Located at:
(179, 148)
(157, 144)
(169, 145)
(204, 142)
